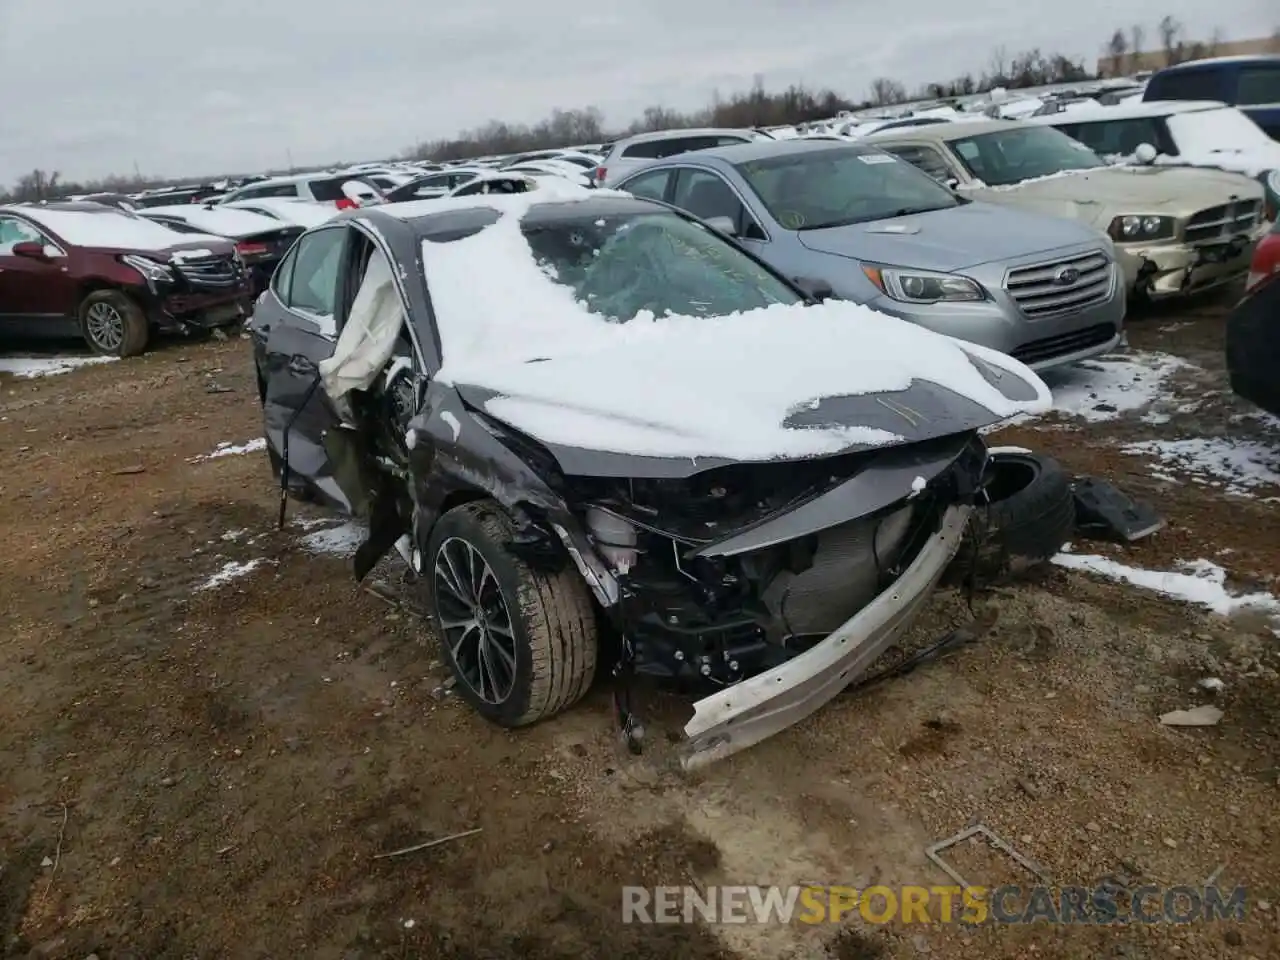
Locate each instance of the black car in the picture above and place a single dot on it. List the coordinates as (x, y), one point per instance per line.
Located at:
(261, 241)
(597, 428)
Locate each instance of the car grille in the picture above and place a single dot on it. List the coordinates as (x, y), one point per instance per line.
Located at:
(1046, 348)
(209, 271)
(1039, 292)
(1223, 222)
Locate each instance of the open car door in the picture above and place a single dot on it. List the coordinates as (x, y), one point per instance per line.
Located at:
(1253, 346)
(337, 359)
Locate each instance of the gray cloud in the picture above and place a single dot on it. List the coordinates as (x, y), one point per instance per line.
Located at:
(185, 87)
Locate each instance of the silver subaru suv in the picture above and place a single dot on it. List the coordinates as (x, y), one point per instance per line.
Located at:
(853, 221)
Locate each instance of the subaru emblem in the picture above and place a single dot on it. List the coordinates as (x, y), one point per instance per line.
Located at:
(1066, 276)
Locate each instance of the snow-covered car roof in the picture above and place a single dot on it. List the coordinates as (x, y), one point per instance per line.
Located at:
(96, 226)
(221, 221)
(289, 210)
(1130, 110)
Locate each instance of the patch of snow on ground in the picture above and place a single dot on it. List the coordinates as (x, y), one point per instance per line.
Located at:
(231, 570)
(1107, 388)
(337, 541)
(228, 449)
(1200, 582)
(28, 368)
(1237, 466)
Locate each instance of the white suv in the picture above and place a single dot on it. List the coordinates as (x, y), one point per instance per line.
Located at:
(626, 155)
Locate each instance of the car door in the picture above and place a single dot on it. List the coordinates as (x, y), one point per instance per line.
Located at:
(296, 325)
(37, 296)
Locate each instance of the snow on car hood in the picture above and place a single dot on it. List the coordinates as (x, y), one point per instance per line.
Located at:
(735, 387)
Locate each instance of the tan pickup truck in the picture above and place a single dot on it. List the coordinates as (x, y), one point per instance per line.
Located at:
(1176, 230)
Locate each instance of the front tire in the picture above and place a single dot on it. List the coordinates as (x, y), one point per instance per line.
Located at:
(521, 644)
(113, 325)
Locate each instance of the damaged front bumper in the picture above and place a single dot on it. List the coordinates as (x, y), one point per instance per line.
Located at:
(1177, 269)
(753, 710)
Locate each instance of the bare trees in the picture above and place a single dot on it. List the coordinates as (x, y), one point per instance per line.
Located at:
(1116, 49)
(885, 91)
(1170, 31)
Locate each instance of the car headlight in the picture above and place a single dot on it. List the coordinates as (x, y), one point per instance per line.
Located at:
(1132, 227)
(152, 271)
(923, 286)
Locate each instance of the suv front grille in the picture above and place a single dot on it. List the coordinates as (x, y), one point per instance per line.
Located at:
(216, 271)
(1223, 222)
(1061, 286)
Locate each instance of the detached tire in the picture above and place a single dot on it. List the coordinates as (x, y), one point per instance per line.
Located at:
(113, 324)
(1029, 516)
(521, 644)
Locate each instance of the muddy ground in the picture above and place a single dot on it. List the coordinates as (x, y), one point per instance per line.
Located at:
(192, 773)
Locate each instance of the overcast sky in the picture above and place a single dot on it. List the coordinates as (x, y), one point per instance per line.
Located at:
(187, 87)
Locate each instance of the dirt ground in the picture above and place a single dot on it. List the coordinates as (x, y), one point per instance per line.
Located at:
(200, 773)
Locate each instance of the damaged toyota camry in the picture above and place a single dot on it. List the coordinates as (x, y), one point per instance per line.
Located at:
(599, 430)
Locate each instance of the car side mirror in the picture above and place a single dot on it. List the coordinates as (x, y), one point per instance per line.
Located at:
(814, 289)
(1145, 153)
(951, 183)
(723, 225)
(30, 249)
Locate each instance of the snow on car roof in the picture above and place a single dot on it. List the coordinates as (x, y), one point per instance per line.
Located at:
(744, 375)
(290, 210)
(1091, 110)
(108, 228)
(220, 220)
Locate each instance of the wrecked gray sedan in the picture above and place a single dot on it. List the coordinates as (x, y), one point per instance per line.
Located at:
(600, 431)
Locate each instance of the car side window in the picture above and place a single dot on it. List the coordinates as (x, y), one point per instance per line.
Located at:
(14, 231)
(284, 276)
(925, 159)
(1188, 85)
(706, 195)
(653, 185)
(1258, 85)
(313, 285)
(1117, 137)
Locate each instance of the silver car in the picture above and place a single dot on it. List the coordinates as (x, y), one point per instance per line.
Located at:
(852, 221)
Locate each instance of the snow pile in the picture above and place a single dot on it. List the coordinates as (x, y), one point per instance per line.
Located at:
(229, 449)
(676, 385)
(28, 368)
(336, 541)
(1106, 388)
(231, 570)
(1237, 466)
(1200, 582)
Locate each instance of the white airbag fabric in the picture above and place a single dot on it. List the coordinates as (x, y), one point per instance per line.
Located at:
(369, 337)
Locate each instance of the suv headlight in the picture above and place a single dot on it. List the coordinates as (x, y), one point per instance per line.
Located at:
(151, 271)
(1132, 227)
(923, 286)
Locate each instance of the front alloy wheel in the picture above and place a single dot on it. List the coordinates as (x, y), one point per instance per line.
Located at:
(105, 327)
(474, 621)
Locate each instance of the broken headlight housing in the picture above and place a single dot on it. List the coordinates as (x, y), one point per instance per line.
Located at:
(908, 285)
(1134, 227)
(152, 271)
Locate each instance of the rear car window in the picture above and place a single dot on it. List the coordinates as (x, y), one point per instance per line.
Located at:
(1110, 137)
(328, 191)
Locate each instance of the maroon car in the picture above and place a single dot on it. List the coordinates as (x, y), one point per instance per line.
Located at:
(84, 269)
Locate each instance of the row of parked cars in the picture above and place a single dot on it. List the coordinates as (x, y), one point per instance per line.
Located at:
(1028, 236)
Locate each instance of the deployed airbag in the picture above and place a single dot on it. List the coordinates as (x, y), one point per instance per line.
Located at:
(368, 339)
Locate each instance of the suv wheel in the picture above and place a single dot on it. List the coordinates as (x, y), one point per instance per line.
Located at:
(113, 324)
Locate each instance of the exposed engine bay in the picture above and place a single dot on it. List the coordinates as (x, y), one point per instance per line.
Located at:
(720, 619)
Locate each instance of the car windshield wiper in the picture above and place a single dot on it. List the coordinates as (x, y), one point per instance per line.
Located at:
(888, 215)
